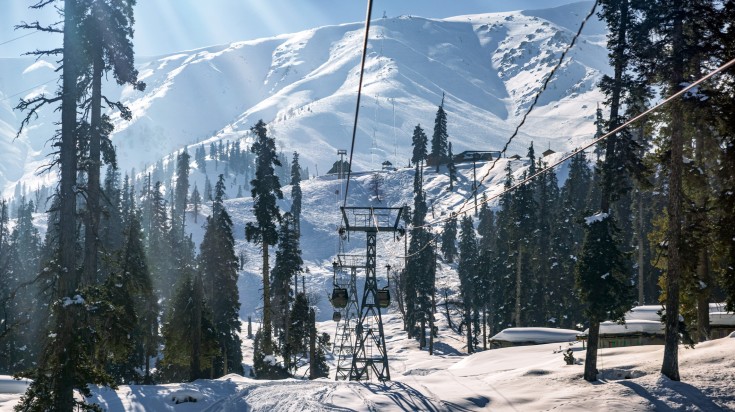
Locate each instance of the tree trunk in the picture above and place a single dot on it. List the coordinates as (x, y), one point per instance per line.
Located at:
(593, 342)
(670, 365)
(422, 334)
(519, 268)
(312, 345)
(62, 351)
(484, 328)
(468, 322)
(91, 232)
(640, 239)
(704, 295)
(267, 327)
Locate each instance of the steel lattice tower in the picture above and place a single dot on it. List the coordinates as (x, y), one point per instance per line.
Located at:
(344, 344)
(370, 357)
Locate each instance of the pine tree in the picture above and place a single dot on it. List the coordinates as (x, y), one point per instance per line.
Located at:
(467, 270)
(419, 142)
(288, 265)
(449, 237)
(296, 191)
(218, 264)
(189, 338)
(160, 252)
(265, 190)
(440, 138)
(452, 168)
(178, 217)
(196, 201)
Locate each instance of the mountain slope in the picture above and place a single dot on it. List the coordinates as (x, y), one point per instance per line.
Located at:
(304, 86)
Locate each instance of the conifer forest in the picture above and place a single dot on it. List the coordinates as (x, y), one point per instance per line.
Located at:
(489, 182)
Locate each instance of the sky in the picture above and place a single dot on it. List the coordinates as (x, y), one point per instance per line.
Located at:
(168, 26)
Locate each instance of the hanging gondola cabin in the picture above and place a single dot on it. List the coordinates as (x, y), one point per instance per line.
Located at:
(339, 297)
(337, 316)
(383, 298)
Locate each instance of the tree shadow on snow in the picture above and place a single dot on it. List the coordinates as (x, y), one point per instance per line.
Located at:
(403, 396)
(689, 395)
(441, 348)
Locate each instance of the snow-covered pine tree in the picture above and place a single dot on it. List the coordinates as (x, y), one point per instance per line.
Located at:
(266, 189)
(218, 265)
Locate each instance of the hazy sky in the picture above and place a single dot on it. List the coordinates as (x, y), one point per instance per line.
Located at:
(166, 26)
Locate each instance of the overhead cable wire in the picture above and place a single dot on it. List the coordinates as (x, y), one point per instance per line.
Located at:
(27, 90)
(18, 38)
(359, 93)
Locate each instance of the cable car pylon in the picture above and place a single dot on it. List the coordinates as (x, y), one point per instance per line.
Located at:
(370, 357)
(346, 317)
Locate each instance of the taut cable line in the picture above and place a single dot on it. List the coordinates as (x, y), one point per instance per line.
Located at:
(359, 94)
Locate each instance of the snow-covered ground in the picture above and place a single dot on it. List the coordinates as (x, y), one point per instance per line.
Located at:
(528, 378)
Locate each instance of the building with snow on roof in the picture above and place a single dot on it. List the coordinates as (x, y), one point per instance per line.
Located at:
(531, 336)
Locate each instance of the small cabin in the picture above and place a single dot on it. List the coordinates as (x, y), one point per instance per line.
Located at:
(531, 336)
(515, 157)
(475, 156)
(547, 152)
(387, 165)
(643, 327)
(634, 332)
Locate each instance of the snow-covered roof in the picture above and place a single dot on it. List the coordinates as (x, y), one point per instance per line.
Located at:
(649, 312)
(721, 319)
(646, 312)
(631, 326)
(536, 335)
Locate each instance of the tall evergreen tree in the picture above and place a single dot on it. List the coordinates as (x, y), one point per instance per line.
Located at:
(266, 189)
(419, 142)
(296, 191)
(467, 270)
(190, 342)
(181, 192)
(196, 202)
(449, 239)
(218, 264)
(440, 138)
(452, 168)
(288, 265)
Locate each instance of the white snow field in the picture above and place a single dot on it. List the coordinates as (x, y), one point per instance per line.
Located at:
(527, 378)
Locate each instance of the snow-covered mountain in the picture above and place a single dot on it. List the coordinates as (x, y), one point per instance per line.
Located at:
(304, 86)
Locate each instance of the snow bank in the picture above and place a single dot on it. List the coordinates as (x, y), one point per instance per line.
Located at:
(536, 335)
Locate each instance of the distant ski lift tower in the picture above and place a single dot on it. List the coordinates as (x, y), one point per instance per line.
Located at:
(370, 358)
(341, 153)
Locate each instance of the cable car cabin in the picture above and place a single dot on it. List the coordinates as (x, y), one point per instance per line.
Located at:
(337, 316)
(383, 298)
(339, 298)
